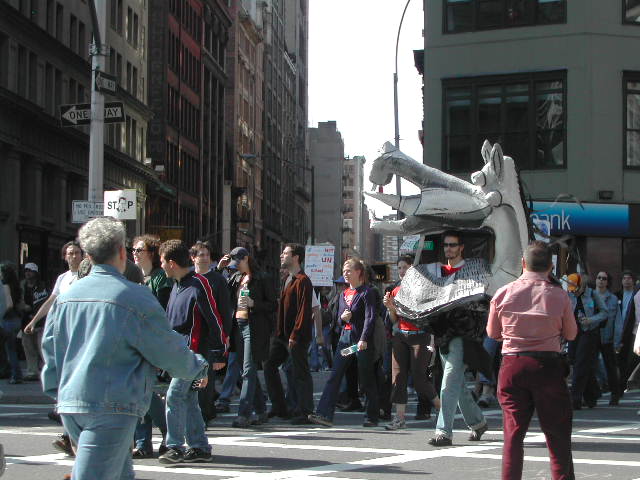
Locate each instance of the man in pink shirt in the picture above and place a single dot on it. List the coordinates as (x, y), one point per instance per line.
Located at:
(531, 316)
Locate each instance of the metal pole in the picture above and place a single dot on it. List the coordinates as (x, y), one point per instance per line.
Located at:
(395, 115)
(313, 204)
(96, 139)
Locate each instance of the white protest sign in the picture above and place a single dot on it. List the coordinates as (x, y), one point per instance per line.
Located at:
(318, 264)
(83, 211)
(120, 204)
(545, 228)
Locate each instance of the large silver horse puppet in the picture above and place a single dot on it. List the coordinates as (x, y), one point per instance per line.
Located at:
(491, 201)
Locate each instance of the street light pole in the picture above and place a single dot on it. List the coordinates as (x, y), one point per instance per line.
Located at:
(96, 135)
(395, 116)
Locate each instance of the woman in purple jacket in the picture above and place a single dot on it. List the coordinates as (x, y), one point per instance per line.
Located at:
(357, 311)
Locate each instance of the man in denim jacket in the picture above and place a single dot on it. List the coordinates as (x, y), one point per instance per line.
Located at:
(589, 312)
(102, 341)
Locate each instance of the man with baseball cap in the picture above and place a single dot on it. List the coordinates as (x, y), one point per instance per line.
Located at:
(34, 293)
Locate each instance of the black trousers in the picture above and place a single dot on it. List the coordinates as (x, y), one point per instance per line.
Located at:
(584, 353)
(303, 383)
(611, 365)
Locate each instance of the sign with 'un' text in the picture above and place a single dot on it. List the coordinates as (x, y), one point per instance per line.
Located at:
(318, 264)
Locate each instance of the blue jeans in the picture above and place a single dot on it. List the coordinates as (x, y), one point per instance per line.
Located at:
(103, 445)
(184, 418)
(491, 347)
(367, 376)
(156, 415)
(318, 358)
(230, 378)
(10, 328)
(251, 396)
(454, 392)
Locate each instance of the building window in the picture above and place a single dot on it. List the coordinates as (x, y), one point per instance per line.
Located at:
(525, 113)
(21, 71)
(82, 40)
(472, 15)
(51, 17)
(59, 21)
(631, 145)
(135, 30)
(113, 14)
(119, 14)
(134, 82)
(34, 11)
(73, 89)
(129, 25)
(73, 32)
(129, 78)
(33, 77)
(631, 12)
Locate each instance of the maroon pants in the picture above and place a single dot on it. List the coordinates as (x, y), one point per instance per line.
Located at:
(526, 384)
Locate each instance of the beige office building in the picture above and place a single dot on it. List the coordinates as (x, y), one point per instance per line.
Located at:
(557, 83)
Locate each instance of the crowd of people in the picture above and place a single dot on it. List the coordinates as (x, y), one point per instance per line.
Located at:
(132, 343)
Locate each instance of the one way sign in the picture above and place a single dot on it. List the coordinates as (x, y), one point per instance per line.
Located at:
(80, 113)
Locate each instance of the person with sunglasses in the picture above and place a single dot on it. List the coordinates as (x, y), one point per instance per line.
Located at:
(609, 330)
(146, 257)
(458, 335)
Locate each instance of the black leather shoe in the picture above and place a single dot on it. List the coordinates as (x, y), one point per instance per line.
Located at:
(353, 407)
(476, 434)
(440, 441)
(275, 413)
(614, 401)
(301, 420)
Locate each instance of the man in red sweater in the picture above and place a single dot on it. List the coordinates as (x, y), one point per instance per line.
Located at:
(531, 316)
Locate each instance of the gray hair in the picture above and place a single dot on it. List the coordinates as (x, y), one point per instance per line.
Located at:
(101, 238)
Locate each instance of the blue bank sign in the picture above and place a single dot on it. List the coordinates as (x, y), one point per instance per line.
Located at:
(592, 219)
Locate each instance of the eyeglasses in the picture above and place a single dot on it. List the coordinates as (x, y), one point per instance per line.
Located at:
(139, 250)
(602, 278)
(452, 245)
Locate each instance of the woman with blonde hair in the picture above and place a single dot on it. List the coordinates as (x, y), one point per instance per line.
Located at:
(357, 310)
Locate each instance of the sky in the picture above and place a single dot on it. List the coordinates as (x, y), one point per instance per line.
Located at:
(351, 64)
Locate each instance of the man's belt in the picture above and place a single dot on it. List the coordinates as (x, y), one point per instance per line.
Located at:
(533, 354)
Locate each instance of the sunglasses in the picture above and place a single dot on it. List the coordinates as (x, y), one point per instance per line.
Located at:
(453, 245)
(139, 250)
(602, 278)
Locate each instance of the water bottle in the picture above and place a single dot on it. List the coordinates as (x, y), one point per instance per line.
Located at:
(345, 352)
(244, 294)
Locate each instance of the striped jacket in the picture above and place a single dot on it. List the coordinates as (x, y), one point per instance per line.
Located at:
(198, 308)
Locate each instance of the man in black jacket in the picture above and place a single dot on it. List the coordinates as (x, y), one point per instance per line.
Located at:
(293, 336)
(627, 360)
(193, 311)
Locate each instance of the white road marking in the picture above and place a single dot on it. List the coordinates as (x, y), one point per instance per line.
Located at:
(19, 414)
(587, 461)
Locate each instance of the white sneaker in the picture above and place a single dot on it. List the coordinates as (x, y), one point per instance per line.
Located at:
(395, 424)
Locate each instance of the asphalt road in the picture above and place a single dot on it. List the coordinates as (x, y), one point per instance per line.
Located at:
(606, 444)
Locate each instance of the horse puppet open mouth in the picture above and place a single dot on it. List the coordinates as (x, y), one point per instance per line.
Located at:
(491, 201)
